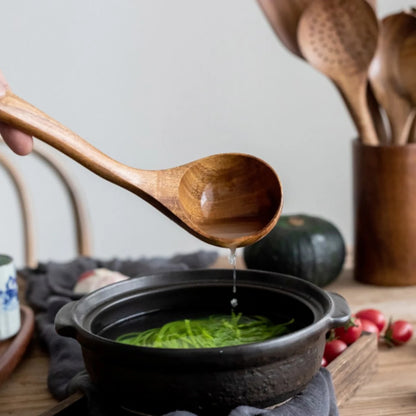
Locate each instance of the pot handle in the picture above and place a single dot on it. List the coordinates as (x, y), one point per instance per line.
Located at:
(64, 323)
(341, 311)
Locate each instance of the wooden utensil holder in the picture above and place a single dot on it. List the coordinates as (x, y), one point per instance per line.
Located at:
(384, 186)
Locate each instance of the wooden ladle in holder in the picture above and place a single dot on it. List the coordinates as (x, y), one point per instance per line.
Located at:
(227, 200)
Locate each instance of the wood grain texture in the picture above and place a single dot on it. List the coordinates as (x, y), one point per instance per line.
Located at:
(234, 192)
(392, 388)
(283, 16)
(354, 367)
(339, 38)
(384, 72)
(390, 391)
(385, 214)
(72, 405)
(407, 63)
(13, 349)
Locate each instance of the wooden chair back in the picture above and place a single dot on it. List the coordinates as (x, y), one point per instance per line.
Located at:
(82, 226)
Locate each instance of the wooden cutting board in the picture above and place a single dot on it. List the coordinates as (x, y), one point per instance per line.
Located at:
(354, 367)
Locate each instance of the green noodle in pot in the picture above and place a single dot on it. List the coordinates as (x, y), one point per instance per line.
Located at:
(212, 332)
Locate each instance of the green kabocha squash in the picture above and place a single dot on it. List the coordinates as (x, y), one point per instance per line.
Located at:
(300, 245)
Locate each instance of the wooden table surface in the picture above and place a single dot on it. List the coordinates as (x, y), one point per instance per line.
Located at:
(391, 391)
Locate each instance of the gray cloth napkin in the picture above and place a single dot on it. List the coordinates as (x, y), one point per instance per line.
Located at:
(49, 287)
(317, 399)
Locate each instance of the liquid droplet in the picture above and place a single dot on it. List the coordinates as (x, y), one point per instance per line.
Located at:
(233, 262)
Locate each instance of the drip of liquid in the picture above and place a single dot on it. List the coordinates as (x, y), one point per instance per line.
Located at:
(233, 262)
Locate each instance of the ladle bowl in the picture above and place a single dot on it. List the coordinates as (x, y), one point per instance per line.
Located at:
(227, 200)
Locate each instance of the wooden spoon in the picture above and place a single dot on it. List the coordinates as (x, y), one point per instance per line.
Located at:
(408, 131)
(406, 70)
(383, 72)
(228, 200)
(284, 16)
(339, 38)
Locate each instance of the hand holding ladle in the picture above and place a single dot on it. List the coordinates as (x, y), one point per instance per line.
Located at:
(21, 143)
(228, 200)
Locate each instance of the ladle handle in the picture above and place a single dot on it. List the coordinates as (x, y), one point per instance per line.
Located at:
(20, 114)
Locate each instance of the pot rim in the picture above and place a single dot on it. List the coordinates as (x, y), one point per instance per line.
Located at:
(335, 310)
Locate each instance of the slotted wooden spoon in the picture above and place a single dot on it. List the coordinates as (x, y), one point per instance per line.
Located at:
(228, 200)
(383, 72)
(339, 38)
(283, 17)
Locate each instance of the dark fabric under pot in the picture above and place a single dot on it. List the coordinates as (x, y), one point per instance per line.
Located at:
(209, 381)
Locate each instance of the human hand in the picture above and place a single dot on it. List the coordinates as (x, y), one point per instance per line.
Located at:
(21, 143)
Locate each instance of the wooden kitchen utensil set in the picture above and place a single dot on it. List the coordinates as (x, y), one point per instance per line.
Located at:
(371, 61)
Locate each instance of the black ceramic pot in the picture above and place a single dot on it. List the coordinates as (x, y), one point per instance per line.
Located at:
(209, 381)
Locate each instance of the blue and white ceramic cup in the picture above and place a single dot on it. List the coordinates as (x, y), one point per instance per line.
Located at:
(9, 301)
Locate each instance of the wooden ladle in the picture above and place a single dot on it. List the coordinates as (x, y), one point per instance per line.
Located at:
(339, 38)
(384, 75)
(228, 200)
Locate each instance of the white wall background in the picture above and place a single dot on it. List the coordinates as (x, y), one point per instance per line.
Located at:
(158, 83)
